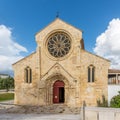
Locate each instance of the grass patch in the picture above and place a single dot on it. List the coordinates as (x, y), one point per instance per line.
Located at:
(6, 96)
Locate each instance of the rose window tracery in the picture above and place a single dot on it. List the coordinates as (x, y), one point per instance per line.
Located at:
(59, 44)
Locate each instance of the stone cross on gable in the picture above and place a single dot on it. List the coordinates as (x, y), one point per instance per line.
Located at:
(57, 15)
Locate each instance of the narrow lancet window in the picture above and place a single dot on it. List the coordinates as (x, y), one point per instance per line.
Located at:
(91, 73)
(30, 81)
(28, 75)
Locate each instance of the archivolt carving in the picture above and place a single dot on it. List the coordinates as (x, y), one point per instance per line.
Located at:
(50, 81)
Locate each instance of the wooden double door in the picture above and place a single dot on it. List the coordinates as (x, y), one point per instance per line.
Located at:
(58, 92)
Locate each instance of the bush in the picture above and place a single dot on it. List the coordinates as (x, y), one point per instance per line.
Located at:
(103, 102)
(115, 101)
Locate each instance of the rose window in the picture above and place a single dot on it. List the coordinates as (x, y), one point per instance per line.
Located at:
(59, 44)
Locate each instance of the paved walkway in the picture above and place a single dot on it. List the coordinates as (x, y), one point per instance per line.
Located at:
(4, 91)
(22, 116)
(39, 117)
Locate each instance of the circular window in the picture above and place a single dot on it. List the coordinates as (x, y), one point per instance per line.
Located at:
(59, 44)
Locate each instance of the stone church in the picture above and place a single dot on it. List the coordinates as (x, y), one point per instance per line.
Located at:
(60, 71)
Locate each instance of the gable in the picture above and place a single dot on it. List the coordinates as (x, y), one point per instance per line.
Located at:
(57, 70)
(25, 59)
(58, 25)
(88, 57)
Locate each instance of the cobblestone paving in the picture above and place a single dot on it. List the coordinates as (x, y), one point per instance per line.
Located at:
(10, 112)
(39, 117)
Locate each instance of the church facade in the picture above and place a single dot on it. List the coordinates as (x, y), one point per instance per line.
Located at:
(60, 71)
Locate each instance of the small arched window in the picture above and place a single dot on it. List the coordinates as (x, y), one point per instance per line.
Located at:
(91, 73)
(28, 75)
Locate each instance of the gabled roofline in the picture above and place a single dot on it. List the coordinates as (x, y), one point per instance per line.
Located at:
(97, 56)
(23, 58)
(60, 20)
(53, 67)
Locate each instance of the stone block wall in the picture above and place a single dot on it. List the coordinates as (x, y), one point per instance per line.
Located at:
(72, 69)
(97, 113)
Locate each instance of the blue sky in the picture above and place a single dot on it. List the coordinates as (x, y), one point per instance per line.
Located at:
(24, 18)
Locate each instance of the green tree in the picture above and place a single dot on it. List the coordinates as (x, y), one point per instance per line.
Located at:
(115, 101)
(1, 83)
(6, 83)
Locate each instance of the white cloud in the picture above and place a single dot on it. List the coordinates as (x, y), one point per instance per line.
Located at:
(108, 43)
(9, 49)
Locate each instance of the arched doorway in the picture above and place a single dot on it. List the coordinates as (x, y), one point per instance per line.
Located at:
(58, 92)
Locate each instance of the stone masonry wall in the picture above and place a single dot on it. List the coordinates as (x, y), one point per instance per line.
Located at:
(71, 69)
(26, 93)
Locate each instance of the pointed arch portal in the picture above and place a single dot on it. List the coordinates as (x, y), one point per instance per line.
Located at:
(58, 92)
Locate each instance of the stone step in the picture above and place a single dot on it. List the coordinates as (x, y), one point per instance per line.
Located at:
(55, 109)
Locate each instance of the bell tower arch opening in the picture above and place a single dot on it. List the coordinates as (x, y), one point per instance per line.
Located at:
(58, 92)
